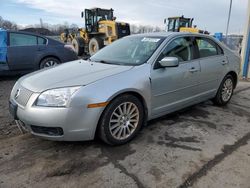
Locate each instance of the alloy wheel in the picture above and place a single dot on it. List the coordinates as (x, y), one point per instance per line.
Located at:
(50, 64)
(124, 120)
(227, 90)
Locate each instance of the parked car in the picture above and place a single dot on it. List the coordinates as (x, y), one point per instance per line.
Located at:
(135, 79)
(22, 52)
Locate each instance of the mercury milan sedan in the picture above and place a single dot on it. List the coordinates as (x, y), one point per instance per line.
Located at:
(115, 92)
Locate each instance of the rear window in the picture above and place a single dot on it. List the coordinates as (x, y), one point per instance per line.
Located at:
(208, 48)
(17, 39)
(41, 41)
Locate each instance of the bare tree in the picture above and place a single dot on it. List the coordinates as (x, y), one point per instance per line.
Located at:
(6, 24)
(57, 29)
(73, 25)
(1, 21)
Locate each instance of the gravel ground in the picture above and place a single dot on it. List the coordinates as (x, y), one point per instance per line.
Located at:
(202, 146)
(7, 124)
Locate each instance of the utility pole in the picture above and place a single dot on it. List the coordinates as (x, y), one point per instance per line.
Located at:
(228, 19)
(41, 23)
(245, 53)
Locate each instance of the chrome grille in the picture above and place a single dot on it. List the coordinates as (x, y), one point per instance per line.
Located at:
(22, 95)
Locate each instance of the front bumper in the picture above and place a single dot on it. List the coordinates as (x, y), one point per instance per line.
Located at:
(62, 124)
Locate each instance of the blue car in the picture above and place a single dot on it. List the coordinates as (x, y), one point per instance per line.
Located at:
(23, 52)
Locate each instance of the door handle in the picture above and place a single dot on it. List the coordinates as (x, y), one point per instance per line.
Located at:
(193, 69)
(224, 62)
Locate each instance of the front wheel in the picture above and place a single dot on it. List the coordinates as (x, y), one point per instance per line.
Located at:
(225, 91)
(121, 120)
(95, 44)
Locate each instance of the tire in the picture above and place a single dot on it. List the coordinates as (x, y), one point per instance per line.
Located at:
(78, 44)
(95, 44)
(225, 91)
(49, 62)
(114, 126)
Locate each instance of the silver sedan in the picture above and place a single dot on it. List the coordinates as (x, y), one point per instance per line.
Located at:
(115, 92)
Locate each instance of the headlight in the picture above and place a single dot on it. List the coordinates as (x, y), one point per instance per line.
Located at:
(56, 97)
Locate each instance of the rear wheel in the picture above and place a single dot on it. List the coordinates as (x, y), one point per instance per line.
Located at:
(95, 44)
(225, 91)
(121, 120)
(78, 44)
(49, 62)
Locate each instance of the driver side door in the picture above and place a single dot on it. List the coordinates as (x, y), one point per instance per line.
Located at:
(175, 87)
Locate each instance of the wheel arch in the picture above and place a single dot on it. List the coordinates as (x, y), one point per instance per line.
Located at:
(137, 95)
(235, 77)
(134, 93)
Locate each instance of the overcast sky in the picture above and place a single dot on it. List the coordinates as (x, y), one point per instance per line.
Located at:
(208, 14)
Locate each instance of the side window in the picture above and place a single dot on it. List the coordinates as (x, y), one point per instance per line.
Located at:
(17, 39)
(41, 41)
(208, 48)
(177, 25)
(171, 25)
(180, 48)
(219, 50)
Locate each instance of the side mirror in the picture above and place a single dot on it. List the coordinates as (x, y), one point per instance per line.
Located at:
(82, 14)
(165, 21)
(169, 62)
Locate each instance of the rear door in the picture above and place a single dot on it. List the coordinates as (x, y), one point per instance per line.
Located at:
(213, 65)
(175, 87)
(22, 51)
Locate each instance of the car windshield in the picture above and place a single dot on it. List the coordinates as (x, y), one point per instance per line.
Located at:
(134, 50)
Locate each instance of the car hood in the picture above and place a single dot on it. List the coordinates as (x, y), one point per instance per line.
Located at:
(73, 73)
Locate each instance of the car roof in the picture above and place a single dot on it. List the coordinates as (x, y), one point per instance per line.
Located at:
(26, 32)
(172, 34)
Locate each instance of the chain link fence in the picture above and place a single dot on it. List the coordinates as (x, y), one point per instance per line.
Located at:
(234, 42)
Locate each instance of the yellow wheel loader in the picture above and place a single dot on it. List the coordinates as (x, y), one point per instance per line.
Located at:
(182, 24)
(68, 35)
(100, 30)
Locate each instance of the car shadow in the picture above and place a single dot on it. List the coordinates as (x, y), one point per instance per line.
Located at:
(171, 119)
(10, 78)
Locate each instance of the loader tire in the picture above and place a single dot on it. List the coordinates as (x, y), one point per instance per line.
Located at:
(78, 44)
(95, 44)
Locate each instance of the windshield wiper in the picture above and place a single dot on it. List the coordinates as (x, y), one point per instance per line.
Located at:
(100, 61)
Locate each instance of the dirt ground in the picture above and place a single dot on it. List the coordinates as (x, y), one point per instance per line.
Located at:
(202, 146)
